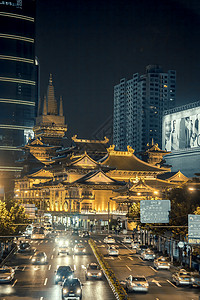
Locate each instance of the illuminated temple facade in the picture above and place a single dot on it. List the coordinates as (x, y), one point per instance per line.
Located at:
(88, 180)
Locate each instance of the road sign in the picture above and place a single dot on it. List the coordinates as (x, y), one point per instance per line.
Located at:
(194, 229)
(154, 211)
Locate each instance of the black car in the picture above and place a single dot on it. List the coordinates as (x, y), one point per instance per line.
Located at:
(72, 289)
(24, 247)
(63, 273)
(84, 234)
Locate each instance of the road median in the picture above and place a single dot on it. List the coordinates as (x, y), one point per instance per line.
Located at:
(114, 283)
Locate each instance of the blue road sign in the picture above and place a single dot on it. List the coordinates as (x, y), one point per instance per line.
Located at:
(194, 229)
(154, 211)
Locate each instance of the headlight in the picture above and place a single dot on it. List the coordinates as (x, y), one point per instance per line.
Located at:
(57, 276)
(76, 250)
(33, 259)
(89, 274)
(42, 259)
(66, 243)
(99, 274)
(84, 250)
(70, 277)
(8, 277)
(78, 291)
(65, 291)
(192, 279)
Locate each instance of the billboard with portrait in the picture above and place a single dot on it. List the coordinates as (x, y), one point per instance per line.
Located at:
(181, 130)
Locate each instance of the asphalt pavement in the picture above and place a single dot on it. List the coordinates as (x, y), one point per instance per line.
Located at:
(37, 281)
(128, 263)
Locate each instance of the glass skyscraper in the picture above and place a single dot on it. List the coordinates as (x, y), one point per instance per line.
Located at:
(18, 81)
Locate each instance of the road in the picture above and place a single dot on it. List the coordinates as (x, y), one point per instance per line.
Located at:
(161, 286)
(37, 281)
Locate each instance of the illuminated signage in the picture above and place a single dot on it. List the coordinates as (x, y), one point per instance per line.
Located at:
(181, 130)
(194, 229)
(16, 3)
(154, 211)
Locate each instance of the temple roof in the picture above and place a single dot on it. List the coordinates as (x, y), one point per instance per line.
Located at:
(98, 177)
(173, 176)
(127, 161)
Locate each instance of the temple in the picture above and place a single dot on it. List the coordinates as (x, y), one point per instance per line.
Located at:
(89, 181)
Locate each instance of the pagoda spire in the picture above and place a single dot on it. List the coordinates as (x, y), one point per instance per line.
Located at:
(52, 103)
(45, 106)
(61, 107)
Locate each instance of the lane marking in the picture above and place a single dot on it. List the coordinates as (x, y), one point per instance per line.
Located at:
(49, 267)
(54, 249)
(30, 257)
(52, 256)
(14, 283)
(153, 269)
(157, 283)
(46, 241)
(140, 258)
(74, 267)
(171, 283)
(24, 268)
(128, 268)
(41, 298)
(130, 258)
(45, 282)
(119, 258)
(99, 241)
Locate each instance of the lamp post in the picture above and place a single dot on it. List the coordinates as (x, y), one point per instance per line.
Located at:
(108, 215)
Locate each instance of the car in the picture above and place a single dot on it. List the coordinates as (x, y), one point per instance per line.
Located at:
(84, 234)
(161, 263)
(61, 240)
(147, 255)
(75, 231)
(39, 258)
(127, 240)
(79, 249)
(134, 245)
(64, 249)
(182, 277)
(196, 280)
(93, 271)
(141, 248)
(137, 284)
(6, 274)
(109, 240)
(62, 273)
(113, 251)
(24, 247)
(72, 289)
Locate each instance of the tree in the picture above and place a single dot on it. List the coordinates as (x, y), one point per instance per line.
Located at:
(6, 227)
(18, 216)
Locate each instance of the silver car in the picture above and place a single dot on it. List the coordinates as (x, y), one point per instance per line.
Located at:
(93, 271)
(148, 255)
(137, 284)
(182, 277)
(113, 251)
(6, 274)
(161, 263)
(196, 280)
(39, 258)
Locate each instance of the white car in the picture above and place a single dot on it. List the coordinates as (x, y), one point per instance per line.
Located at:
(113, 251)
(109, 240)
(161, 263)
(137, 284)
(135, 245)
(127, 240)
(148, 255)
(182, 277)
(6, 274)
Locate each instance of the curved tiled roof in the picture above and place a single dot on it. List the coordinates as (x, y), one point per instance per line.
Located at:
(127, 161)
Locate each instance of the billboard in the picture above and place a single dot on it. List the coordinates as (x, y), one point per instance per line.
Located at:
(181, 130)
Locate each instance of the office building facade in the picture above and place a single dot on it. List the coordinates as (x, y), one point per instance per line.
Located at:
(18, 81)
(138, 107)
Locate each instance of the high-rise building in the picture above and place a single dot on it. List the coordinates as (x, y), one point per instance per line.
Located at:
(138, 107)
(18, 81)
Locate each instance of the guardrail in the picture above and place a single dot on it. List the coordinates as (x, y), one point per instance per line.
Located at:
(117, 288)
(12, 251)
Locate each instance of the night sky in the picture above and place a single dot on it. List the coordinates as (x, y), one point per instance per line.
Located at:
(89, 46)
